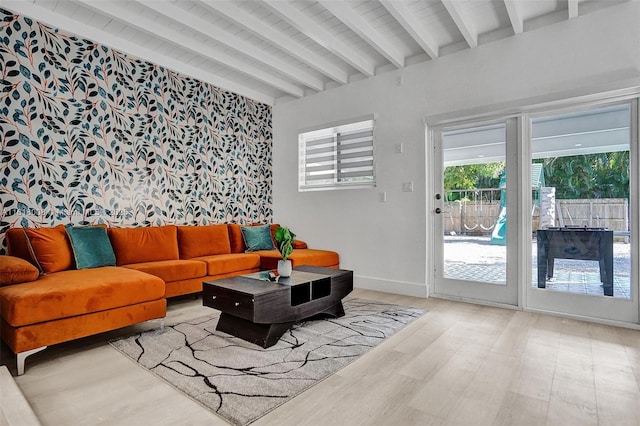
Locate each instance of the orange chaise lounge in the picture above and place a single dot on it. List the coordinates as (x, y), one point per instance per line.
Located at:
(47, 296)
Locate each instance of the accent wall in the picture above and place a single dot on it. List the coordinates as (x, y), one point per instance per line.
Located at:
(92, 135)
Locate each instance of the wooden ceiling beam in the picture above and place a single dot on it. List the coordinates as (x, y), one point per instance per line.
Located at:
(413, 26)
(359, 25)
(572, 7)
(189, 20)
(517, 22)
(465, 26)
(294, 48)
(120, 12)
(318, 34)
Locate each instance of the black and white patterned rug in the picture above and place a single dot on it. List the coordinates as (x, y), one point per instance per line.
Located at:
(241, 381)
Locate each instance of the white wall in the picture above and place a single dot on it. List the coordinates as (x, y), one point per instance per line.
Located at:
(385, 243)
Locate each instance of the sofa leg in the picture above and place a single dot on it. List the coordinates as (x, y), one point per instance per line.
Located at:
(162, 324)
(22, 356)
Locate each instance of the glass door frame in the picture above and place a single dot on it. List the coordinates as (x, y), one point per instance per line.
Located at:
(519, 154)
(607, 309)
(477, 291)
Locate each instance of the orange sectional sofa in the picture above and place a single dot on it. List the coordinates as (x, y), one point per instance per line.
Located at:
(45, 299)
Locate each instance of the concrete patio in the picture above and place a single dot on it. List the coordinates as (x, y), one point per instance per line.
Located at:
(475, 259)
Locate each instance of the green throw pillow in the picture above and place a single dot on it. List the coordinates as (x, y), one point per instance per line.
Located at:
(257, 238)
(91, 246)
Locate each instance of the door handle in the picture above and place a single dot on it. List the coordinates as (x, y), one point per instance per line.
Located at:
(438, 210)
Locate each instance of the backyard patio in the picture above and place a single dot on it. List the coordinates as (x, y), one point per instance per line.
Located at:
(473, 258)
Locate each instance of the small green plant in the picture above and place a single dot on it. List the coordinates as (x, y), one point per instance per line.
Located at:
(284, 238)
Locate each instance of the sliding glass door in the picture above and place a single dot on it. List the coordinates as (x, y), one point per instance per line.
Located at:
(539, 209)
(582, 249)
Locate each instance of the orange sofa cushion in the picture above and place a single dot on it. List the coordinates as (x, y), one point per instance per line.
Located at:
(235, 238)
(14, 270)
(269, 258)
(172, 270)
(178, 288)
(272, 229)
(146, 244)
(47, 333)
(77, 292)
(51, 249)
(297, 244)
(226, 263)
(203, 240)
(18, 245)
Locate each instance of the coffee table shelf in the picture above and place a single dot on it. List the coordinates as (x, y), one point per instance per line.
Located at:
(313, 290)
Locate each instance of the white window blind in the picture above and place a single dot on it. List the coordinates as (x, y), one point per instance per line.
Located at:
(337, 157)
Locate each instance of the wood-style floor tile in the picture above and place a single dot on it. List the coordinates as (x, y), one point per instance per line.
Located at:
(460, 364)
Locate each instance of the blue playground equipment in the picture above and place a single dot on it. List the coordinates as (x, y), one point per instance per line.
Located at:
(499, 234)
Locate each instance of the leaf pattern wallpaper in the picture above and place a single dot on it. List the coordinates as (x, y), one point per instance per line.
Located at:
(92, 135)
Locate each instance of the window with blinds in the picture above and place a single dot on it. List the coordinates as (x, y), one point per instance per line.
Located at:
(337, 157)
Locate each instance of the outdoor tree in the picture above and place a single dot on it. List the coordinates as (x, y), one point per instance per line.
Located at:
(472, 176)
(604, 175)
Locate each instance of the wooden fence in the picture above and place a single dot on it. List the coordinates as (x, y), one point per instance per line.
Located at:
(479, 217)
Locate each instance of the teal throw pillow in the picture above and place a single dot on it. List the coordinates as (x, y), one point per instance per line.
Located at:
(257, 237)
(91, 246)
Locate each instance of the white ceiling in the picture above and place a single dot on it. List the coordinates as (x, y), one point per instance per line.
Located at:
(276, 50)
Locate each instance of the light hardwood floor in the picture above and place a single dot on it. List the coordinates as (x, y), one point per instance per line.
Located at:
(460, 364)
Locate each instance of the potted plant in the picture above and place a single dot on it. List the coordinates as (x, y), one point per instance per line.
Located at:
(284, 239)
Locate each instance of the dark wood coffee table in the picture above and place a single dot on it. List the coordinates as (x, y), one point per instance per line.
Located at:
(260, 311)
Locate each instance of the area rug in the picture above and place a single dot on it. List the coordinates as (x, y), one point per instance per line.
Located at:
(241, 381)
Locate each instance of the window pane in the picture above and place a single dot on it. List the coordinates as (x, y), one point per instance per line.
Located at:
(475, 204)
(337, 157)
(581, 202)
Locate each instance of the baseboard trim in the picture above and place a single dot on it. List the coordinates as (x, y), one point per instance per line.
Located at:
(594, 320)
(474, 301)
(539, 311)
(387, 286)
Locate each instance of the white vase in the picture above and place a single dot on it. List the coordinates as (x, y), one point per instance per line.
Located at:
(284, 268)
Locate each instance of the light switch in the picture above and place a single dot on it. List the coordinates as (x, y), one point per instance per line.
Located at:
(399, 148)
(383, 196)
(407, 186)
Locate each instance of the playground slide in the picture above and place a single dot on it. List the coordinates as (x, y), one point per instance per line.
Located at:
(499, 234)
